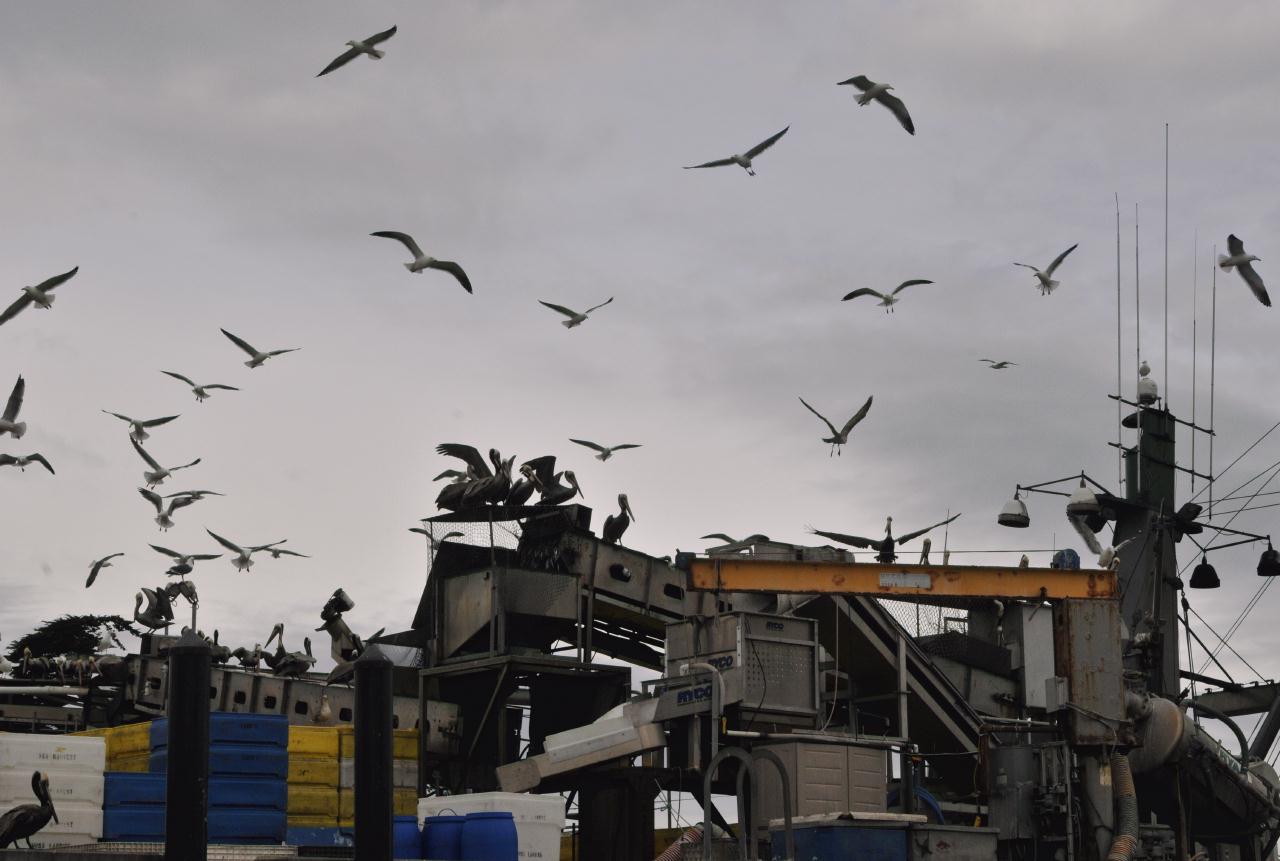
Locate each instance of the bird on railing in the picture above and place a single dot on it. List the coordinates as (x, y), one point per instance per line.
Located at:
(616, 524)
(25, 820)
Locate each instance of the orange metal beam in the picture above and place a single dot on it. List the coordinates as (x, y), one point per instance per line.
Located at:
(744, 574)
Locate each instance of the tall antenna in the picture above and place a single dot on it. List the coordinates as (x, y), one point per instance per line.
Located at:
(1165, 366)
(1119, 382)
(1213, 364)
(1137, 290)
(1195, 279)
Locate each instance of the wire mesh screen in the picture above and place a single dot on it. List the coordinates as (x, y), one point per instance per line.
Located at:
(925, 620)
(503, 534)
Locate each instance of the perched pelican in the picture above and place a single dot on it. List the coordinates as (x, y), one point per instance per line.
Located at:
(871, 91)
(288, 663)
(604, 451)
(436, 542)
(616, 524)
(242, 556)
(218, 653)
(575, 318)
(925, 547)
(153, 616)
(21, 822)
(452, 496)
(744, 161)
(522, 489)
(9, 423)
(1242, 261)
(1047, 284)
(96, 567)
(998, 366)
(884, 546)
(22, 461)
(183, 563)
(157, 474)
(248, 658)
(542, 472)
(725, 539)
(840, 438)
(493, 489)
(39, 295)
(164, 516)
(200, 391)
(887, 300)
(257, 356)
(1109, 557)
(138, 427)
(358, 47)
(422, 261)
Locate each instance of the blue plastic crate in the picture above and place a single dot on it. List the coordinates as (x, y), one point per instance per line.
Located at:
(236, 760)
(233, 728)
(122, 788)
(839, 842)
(226, 825)
(319, 837)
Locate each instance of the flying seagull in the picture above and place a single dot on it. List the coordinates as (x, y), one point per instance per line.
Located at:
(744, 161)
(1047, 284)
(158, 473)
(1108, 558)
(9, 423)
(887, 301)
(422, 261)
(194, 494)
(725, 539)
(998, 366)
(242, 558)
(39, 295)
(97, 566)
(575, 319)
(164, 516)
(277, 552)
(358, 47)
(21, 461)
(258, 357)
(1242, 262)
(138, 427)
(873, 92)
(605, 452)
(200, 391)
(183, 563)
(839, 438)
(885, 545)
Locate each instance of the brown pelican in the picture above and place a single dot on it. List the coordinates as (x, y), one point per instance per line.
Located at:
(218, 653)
(242, 556)
(871, 91)
(289, 663)
(488, 484)
(925, 547)
(257, 357)
(157, 474)
(542, 472)
(725, 539)
(138, 427)
(200, 391)
(248, 658)
(183, 563)
(744, 160)
(575, 318)
(21, 461)
(522, 489)
(1241, 261)
(605, 452)
(839, 438)
(96, 568)
(39, 295)
(998, 366)
(884, 546)
(422, 261)
(26, 819)
(1047, 284)
(9, 423)
(158, 612)
(358, 47)
(616, 524)
(887, 300)
(164, 515)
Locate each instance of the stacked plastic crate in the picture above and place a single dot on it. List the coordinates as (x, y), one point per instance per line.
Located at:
(74, 769)
(128, 745)
(313, 787)
(404, 773)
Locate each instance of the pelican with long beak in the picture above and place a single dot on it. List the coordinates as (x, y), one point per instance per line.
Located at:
(616, 524)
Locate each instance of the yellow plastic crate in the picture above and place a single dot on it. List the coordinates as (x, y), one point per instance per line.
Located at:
(311, 821)
(140, 761)
(313, 770)
(313, 801)
(404, 803)
(404, 744)
(313, 741)
(128, 738)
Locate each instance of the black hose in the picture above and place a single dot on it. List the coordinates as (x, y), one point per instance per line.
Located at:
(1217, 715)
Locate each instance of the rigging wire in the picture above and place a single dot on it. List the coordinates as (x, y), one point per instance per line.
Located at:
(1230, 648)
(1209, 486)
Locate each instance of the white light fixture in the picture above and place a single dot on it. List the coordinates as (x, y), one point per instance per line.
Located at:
(1014, 514)
(1083, 502)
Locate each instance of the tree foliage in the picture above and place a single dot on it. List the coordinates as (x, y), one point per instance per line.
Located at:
(77, 635)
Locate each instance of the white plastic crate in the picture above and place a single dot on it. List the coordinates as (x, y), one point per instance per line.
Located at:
(539, 818)
(75, 818)
(83, 787)
(49, 752)
(48, 840)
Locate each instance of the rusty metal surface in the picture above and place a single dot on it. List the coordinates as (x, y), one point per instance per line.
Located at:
(1087, 653)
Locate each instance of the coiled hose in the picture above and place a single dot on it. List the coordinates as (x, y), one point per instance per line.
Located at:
(1126, 840)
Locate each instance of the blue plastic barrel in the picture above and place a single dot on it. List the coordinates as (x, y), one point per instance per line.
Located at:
(489, 836)
(442, 838)
(405, 839)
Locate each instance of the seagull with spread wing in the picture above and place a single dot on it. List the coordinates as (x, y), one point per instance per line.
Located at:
(883, 546)
(998, 365)
(725, 539)
(575, 318)
(183, 563)
(873, 92)
(1047, 284)
(164, 514)
(1241, 261)
(9, 423)
(200, 391)
(887, 300)
(22, 461)
(744, 160)
(840, 438)
(241, 557)
(257, 357)
(138, 427)
(40, 295)
(358, 47)
(96, 568)
(277, 552)
(604, 452)
(422, 261)
(157, 474)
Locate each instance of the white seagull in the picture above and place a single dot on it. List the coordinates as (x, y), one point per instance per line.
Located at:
(242, 558)
(1047, 284)
(277, 552)
(39, 295)
(158, 473)
(1109, 558)
(138, 427)
(575, 318)
(9, 423)
(887, 301)
(1241, 261)
(358, 47)
(422, 261)
(745, 159)
(200, 391)
(604, 452)
(183, 563)
(998, 366)
(96, 567)
(840, 438)
(871, 91)
(258, 356)
(22, 461)
(164, 516)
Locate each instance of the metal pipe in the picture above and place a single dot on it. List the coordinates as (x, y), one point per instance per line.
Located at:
(745, 762)
(373, 732)
(1217, 715)
(717, 699)
(186, 817)
(44, 690)
(788, 830)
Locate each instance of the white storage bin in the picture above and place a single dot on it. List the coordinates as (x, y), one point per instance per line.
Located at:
(46, 840)
(75, 818)
(539, 818)
(50, 752)
(64, 786)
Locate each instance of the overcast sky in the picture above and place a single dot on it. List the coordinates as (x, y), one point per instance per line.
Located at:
(189, 161)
